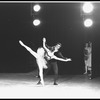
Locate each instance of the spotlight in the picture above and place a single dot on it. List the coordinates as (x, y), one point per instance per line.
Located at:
(88, 23)
(36, 7)
(87, 7)
(36, 22)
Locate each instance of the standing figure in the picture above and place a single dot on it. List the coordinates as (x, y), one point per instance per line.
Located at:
(88, 57)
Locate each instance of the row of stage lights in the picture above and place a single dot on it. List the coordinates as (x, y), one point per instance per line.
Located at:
(36, 9)
(87, 9)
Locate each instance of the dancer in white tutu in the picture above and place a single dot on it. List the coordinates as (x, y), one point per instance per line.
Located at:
(42, 57)
(39, 55)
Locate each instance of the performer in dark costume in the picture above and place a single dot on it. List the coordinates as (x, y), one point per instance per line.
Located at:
(51, 53)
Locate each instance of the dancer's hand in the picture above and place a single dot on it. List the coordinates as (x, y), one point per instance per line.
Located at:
(44, 39)
(21, 42)
(68, 59)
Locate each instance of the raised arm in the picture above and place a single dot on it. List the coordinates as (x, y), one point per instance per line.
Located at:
(29, 49)
(45, 45)
(48, 48)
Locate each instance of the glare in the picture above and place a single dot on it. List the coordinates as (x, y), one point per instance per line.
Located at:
(32, 91)
(87, 7)
(88, 23)
(36, 22)
(36, 8)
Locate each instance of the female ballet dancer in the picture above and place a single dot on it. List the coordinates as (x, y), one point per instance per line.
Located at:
(39, 55)
(40, 58)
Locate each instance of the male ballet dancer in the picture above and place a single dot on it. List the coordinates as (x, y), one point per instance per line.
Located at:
(52, 52)
(40, 59)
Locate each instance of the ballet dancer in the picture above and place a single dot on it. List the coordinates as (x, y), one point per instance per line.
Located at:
(40, 59)
(39, 55)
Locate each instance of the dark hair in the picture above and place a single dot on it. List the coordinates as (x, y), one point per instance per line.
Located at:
(59, 44)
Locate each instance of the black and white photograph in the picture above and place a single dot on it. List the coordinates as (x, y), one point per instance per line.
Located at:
(49, 49)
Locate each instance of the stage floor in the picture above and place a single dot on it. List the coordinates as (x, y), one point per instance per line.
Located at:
(24, 85)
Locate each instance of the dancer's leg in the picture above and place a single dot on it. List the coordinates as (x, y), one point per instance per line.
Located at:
(40, 68)
(85, 67)
(55, 68)
(41, 74)
(45, 71)
(29, 49)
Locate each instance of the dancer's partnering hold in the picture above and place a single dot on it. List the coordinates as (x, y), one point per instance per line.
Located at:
(43, 55)
(52, 55)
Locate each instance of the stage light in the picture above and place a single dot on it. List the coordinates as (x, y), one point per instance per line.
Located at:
(36, 7)
(87, 7)
(88, 23)
(36, 22)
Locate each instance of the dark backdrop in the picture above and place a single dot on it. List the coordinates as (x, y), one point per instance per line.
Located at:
(60, 22)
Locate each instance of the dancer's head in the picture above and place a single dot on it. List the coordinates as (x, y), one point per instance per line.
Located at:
(86, 45)
(57, 47)
(89, 44)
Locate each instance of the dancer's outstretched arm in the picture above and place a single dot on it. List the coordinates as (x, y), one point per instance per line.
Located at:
(61, 59)
(29, 49)
(51, 53)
